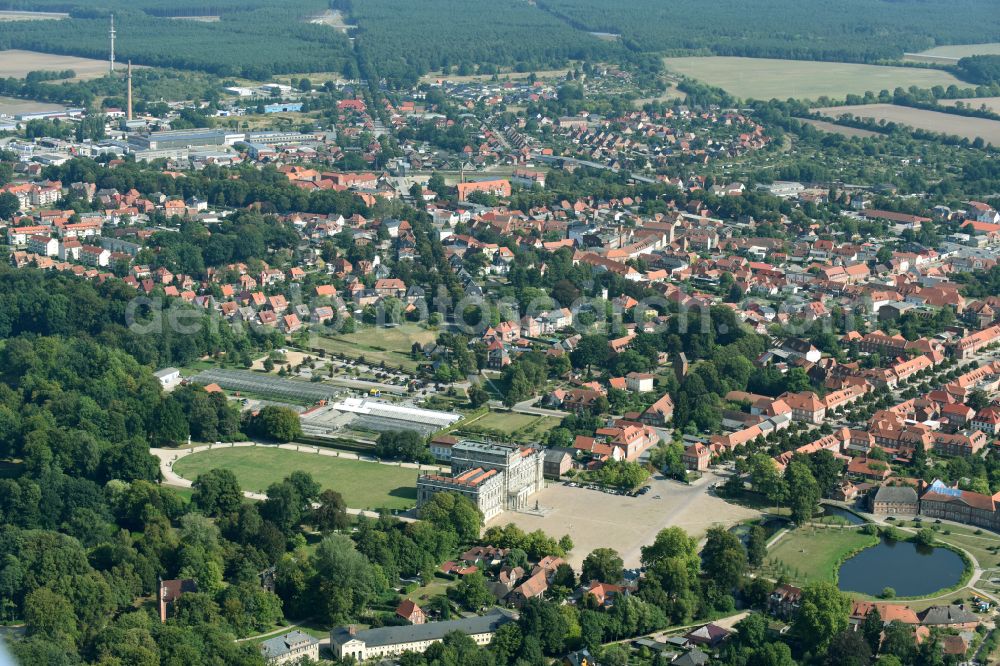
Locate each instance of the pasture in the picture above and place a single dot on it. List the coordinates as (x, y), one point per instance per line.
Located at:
(764, 78)
(364, 485)
(17, 63)
(934, 121)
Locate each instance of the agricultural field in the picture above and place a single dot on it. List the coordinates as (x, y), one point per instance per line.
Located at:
(200, 19)
(364, 485)
(962, 50)
(764, 78)
(934, 121)
(391, 345)
(834, 128)
(12, 106)
(7, 15)
(17, 63)
(991, 103)
(812, 554)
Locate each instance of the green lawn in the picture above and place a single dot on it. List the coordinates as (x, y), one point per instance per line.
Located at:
(764, 78)
(391, 345)
(810, 554)
(364, 485)
(424, 593)
(524, 426)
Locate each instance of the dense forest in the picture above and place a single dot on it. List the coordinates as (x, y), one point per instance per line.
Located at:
(854, 30)
(402, 40)
(398, 41)
(253, 38)
(983, 69)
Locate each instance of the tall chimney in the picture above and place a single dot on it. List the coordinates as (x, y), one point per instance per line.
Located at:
(128, 78)
(111, 34)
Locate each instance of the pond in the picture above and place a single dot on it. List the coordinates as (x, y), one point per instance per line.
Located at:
(909, 569)
(771, 525)
(851, 517)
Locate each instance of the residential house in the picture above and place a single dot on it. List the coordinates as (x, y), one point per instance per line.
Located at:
(171, 591)
(411, 612)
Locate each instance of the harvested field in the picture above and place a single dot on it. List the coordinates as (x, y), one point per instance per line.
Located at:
(834, 128)
(962, 50)
(764, 78)
(16, 63)
(934, 121)
(991, 103)
(200, 19)
(31, 16)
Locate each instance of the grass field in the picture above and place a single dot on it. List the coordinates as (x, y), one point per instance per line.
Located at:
(364, 485)
(391, 345)
(16, 63)
(934, 121)
(524, 426)
(810, 554)
(763, 78)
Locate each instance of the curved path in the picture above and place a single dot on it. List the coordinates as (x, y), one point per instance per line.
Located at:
(168, 457)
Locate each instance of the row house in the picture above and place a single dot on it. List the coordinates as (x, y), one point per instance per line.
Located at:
(959, 444)
(45, 246)
(968, 346)
(962, 506)
(18, 236)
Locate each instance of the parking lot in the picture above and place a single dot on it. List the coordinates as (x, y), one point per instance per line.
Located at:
(596, 519)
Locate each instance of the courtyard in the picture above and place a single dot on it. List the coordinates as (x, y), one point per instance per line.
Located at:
(595, 519)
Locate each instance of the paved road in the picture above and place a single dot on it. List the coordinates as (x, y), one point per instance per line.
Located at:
(168, 457)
